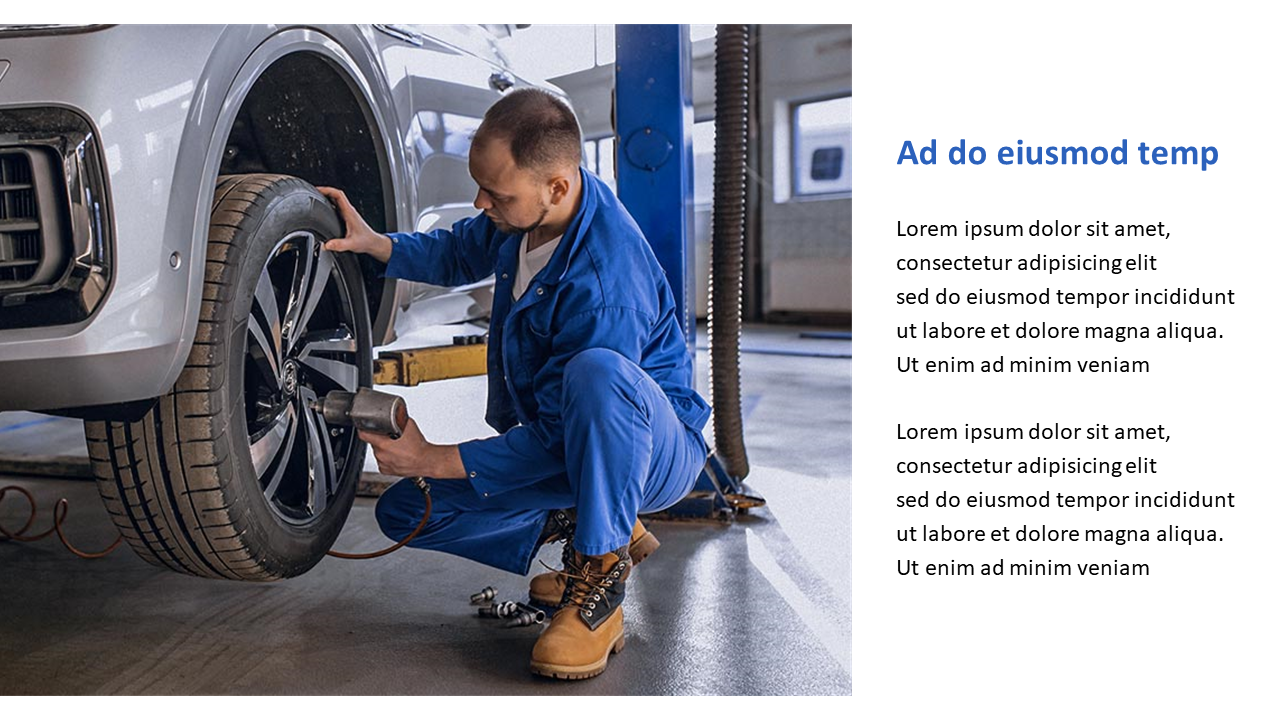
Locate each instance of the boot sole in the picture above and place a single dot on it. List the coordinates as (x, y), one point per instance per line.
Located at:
(578, 672)
(642, 548)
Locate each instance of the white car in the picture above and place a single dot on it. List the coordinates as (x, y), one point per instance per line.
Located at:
(161, 268)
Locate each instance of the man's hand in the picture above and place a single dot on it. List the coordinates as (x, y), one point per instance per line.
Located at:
(360, 237)
(413, 456)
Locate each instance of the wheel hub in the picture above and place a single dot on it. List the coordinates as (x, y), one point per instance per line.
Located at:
(290, 378)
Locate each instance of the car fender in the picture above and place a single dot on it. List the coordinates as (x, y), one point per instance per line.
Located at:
(228, 77)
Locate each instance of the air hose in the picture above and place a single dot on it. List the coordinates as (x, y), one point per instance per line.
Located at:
(426, 515)
(366, 409)
(59, 514)
(728, 222)
(61, 508)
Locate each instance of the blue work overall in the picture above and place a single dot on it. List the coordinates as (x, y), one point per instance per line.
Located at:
(590, 388)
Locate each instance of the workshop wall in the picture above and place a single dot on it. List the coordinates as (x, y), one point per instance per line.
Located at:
(804, 249)
(806, 240)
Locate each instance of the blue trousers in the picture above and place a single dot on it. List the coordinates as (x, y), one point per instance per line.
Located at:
(625, 453)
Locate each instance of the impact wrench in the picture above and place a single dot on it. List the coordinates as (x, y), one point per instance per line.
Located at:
(381, 414)
(368, 410)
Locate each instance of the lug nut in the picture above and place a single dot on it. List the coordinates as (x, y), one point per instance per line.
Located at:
(483, 596)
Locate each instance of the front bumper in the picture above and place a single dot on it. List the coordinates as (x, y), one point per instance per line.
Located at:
(112, 324)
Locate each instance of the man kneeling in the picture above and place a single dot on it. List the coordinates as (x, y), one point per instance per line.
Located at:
(590, 381)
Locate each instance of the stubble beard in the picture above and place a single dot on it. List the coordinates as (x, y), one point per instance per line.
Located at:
(515, 230)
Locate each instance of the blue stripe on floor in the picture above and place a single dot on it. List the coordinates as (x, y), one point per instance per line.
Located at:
(29, 423)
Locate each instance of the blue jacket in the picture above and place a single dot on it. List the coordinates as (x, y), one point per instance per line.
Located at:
(602, 288)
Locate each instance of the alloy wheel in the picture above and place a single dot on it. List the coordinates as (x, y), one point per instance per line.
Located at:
(301, 345)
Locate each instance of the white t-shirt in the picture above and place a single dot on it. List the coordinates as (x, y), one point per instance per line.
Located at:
(530, 263)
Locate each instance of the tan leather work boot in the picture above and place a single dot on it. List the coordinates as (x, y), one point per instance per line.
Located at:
(587, 629)
(548, 588)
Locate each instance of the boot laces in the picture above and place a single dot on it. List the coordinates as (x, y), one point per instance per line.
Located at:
(587, 584)
(566, 559)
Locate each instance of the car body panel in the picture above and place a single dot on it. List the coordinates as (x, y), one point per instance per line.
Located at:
(162, 101)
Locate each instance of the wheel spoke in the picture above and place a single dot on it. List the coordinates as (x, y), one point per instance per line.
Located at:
(319, 281)
(286, 429)
(264, 299)
(322, 472)
(340, 372)
(267, 446)
(299, 285)
(339, 340)
(343, 374)
(264, 353)
(312, 275)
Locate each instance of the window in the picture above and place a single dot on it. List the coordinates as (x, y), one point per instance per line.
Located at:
(822, 135)
(704, 162)
(597, 156)
(701, 32)
(826, 163)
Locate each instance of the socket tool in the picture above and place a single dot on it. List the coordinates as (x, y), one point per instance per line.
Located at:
(517, 614)
(498, 610)
(523, 619)
(538, 615)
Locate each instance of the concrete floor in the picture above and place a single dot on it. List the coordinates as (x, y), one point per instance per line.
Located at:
(757, 606)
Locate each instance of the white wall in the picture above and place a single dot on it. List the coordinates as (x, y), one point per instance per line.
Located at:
(806, 243)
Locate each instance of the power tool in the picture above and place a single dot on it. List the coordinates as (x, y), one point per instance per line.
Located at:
(381, 414)
(369, 410)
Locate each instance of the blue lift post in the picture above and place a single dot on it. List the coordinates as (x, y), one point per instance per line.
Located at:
(654, 118)
(653, 111)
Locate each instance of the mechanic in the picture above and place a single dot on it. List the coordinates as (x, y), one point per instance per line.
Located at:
(590, 381)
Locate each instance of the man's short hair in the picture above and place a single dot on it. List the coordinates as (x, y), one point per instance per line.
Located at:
(541, 128)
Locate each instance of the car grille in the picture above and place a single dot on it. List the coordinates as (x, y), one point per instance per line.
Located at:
(56, 246)
(20, 240)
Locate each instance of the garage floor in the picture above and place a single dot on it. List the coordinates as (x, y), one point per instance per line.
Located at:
(757, 606)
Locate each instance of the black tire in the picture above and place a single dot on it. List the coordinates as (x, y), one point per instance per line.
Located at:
(213, 481)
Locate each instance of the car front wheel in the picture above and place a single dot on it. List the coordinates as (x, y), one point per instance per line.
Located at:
(233, 474)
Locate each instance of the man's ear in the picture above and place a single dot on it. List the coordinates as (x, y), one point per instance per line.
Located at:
(560, 187)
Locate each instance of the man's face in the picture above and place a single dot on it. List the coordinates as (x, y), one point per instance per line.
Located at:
(515, 199)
